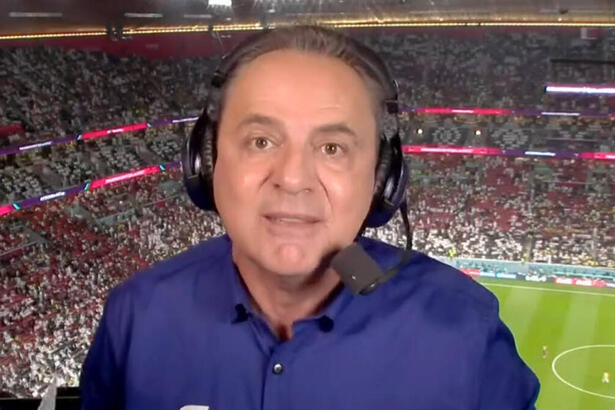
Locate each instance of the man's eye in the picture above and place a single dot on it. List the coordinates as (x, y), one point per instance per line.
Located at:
(260, 143)
(331, 149)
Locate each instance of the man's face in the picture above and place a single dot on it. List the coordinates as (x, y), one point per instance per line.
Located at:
(297, 148)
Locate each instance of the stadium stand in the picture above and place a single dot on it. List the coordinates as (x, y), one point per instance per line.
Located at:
(39, 172)
(492, 68)
(100, 237)
(55, 92)
(52, 289)
(59, 260)
(507, 132)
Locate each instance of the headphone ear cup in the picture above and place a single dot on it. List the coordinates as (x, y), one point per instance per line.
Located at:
(197, 167)
(391, 182)
(396, 195)
(382, 169)
(375, 217)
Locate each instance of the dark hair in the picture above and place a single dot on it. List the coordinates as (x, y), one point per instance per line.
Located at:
(321, 41)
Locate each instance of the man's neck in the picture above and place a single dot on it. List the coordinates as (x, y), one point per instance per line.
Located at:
(285, 299)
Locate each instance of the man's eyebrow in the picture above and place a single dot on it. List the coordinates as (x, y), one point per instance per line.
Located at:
(260, 119)
(335, 128)
(267, 121)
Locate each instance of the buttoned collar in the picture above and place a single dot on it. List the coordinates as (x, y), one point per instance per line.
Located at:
(240, 306)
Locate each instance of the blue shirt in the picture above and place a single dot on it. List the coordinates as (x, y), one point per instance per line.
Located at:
(183, 333)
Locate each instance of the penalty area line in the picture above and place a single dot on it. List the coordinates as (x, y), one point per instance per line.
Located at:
(577, 292)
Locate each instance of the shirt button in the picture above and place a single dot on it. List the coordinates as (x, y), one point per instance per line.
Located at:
(325, 323)
(278, 368)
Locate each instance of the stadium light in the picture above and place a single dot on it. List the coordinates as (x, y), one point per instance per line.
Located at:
(51, 35)
(587, 89)
(197, 16)
(143, 15)
(560, 113)
(34, 14)
(419, 131)
(223, 3)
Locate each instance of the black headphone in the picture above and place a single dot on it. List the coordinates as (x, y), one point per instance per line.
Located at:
(199, 152)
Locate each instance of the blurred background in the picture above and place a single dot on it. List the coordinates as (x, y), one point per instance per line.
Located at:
(508, 114)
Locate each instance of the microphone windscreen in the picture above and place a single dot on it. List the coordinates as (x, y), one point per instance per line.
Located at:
(357, 269)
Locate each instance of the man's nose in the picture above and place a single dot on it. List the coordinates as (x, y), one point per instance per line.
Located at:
(294, 170)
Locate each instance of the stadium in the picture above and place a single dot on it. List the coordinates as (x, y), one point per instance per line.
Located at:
(512, 180)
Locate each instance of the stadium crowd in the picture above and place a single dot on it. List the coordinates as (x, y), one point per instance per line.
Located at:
(545, 133)
(39, 172)
(58, 260)
(53, 289)
(75, 249)
(54, 92)
(494, 68)
(515, 209)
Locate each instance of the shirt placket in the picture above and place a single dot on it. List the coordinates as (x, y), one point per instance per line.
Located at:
(277, 379)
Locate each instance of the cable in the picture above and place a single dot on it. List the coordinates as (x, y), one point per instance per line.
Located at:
(404, 215)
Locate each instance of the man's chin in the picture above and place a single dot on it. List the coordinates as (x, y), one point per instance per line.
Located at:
(298, 260)
(292, 269)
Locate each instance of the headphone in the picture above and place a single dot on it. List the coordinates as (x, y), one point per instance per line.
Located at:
(391, 178)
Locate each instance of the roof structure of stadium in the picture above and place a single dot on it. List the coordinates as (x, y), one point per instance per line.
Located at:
(31, 17)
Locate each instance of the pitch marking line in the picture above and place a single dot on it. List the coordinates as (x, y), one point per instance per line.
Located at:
(559, 356)
(579, 292)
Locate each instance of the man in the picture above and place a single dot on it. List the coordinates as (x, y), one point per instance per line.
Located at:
(606, 377)
(258, 319)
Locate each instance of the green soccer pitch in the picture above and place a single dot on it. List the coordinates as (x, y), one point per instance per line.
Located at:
(578, 327)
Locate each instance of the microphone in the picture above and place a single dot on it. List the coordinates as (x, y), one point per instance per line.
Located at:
(360, 272)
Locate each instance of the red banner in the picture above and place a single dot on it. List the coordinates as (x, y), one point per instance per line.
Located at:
(102, 133)
(586, 282)
(471, 272)
(124, 177)
(5, 209)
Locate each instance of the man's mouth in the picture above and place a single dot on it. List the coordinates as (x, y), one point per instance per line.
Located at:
(291, 218)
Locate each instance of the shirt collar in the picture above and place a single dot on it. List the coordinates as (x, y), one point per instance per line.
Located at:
(240, 307)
